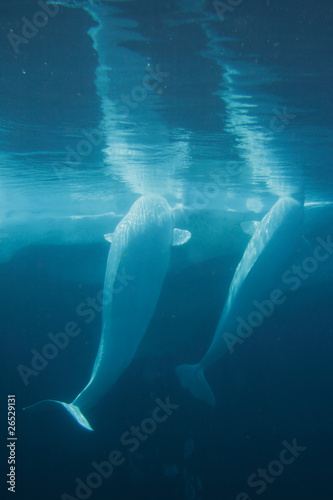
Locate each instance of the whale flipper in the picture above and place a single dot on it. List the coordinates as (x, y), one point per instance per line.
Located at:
(192, 378)
(71, 408)
(108, 237)
(180, 236)
(250, 227)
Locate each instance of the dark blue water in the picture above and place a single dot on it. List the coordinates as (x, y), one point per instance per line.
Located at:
(223, 82)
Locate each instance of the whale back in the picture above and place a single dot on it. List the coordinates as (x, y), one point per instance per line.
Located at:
(271, 244)
(137, 264)
(259, 270)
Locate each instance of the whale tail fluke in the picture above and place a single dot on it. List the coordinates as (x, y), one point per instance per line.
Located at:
(192, 377)
(72, 409)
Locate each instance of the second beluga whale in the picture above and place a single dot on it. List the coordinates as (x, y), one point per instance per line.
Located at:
(140, 250)
(273, 242)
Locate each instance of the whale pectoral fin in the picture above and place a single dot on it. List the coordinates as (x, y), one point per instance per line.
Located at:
(72, 409)
(180, 236)
(108, 237)
(249, 227)
(192, 377)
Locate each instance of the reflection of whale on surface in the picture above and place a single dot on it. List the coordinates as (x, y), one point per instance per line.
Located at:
(137, 264)
(262, 264)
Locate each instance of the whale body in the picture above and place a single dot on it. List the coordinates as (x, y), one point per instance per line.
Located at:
(259, 270)
(137, 264)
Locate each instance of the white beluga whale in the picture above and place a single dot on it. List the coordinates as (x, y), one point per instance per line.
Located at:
(263, 262)
(140, 250)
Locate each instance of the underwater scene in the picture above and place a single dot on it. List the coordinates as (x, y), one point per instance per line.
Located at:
(166, 257)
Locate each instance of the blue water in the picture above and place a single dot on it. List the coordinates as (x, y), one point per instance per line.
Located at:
(107, 101)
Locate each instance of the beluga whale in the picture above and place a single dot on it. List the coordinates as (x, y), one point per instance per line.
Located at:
(273, 242)
(140, 250)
